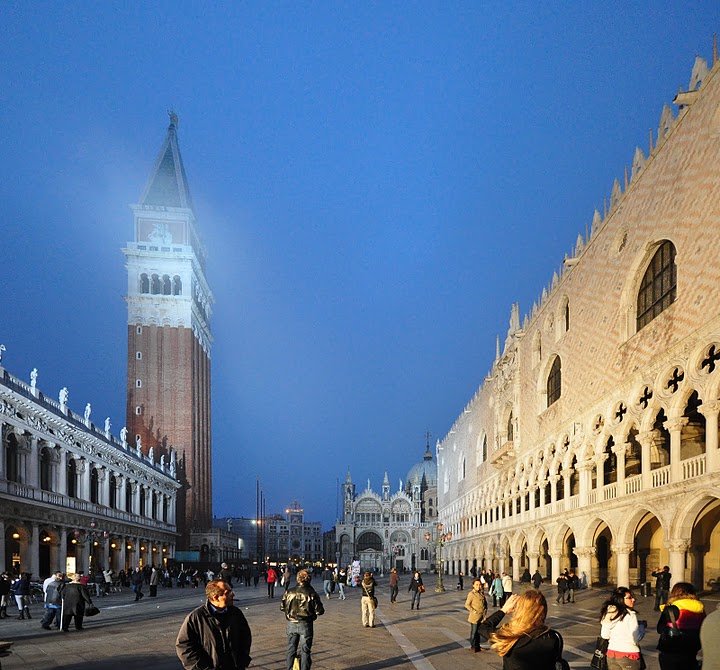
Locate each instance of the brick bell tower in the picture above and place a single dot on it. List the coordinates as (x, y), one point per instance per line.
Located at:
(169, 339)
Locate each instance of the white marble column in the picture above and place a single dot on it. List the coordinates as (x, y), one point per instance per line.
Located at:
(104, 486)
(61, 554)
(646, 440)
(710, 411)
(622, 556)
(620, 450)
(516, 567)
(553, 488)
(62, 474)
(585, 556)
(84, 492)
(135, 488)
(585, 471)
(33, 469)
(533, 562)
(678, 549)
(674, 427)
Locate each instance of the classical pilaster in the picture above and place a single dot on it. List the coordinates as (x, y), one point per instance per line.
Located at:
(83, 469)
(61, 554)
(622, 556)
(674, 426)
(678, 549)
(135, 489)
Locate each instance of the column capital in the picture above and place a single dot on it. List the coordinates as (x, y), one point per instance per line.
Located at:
(584, 551)
(620, 448)
(675, 424)
(623, 548)
(679, 545)
(708, 409)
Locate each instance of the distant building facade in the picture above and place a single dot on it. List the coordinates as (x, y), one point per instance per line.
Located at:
(246, 530)
(73, 497)
(290, 538)
(169, 338)
(385, 529)
(593, 441)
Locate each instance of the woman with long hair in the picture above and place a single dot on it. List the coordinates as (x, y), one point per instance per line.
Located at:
(524, 642)
(621, 627)
(679, 628)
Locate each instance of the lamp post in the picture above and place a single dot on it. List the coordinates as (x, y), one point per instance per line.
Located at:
(442, 538)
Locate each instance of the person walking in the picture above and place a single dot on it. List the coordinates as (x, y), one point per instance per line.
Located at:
(342, 583)
(537, 579)
(21, 591)
(461, 581)
(476, 604)
(496, 590)
(5, 585)
(74, 598)
(367, 602)
(417, 588)
(216, 635)
(53, 587)
(620, 626)
(662, 586)
(525, 642)
(154, 581)
(562, 586)
(525, 579)
(507, 586)
(572, 584)
(287, 576)
(394, 586)
(271, 580)
(302, 606)
(137, 579)
(327, 577)
(679, 628)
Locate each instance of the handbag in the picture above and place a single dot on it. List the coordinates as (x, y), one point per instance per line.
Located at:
(91, 610)
(421, 588)
(599, 659)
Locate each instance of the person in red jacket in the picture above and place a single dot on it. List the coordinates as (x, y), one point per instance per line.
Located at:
(271, 579)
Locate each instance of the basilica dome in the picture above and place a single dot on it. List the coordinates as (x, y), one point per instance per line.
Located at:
(425, 473)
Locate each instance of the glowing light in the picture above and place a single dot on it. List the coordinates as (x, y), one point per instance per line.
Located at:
(16, 536)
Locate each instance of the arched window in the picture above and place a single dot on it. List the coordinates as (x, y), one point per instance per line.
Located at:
(177, 285)
(113, 492)
(153, 511)
(484, 449)
(369, 541)
(554, 382)
(142, 503)
(128, 497)
(658, 288)
(155, 287)
(94, 486)
(510, 428)
(566, 315)
(167, 287)
(45, 469)
(144, 283)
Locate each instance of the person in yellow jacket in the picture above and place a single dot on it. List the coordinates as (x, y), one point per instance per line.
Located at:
(477, 606)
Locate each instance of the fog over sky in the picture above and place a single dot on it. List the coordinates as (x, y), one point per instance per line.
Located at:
(376, 184)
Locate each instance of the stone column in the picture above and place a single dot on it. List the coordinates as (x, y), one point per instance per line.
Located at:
(62, 474)
(585, 481)
(674, 426)
(85, 553)
(516, 567)
(33, 468)
(122, 554)
(710, 411)
(135, 488)
(584, 556)
(33, 550)
(622, 555)
(556, 555)
(533, 562)
(553, 488)
(3, 549)
(620, 450)
(84, 467)
(646, 440)
(120, 501)
(61, 553)
(678, 549)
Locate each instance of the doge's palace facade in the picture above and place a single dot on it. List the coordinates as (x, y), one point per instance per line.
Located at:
(593, 441)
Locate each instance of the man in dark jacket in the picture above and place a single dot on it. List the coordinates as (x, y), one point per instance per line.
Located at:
(662, 586)
(215, 635)
(302, 606)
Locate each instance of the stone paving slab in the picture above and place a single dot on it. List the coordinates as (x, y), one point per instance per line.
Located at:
(134, 636)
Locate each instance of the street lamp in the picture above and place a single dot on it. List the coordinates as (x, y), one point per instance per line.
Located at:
(442, 538)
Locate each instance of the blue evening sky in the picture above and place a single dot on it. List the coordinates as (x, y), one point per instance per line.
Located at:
(376, 184)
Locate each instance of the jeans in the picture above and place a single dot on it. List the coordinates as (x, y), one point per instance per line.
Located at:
(474, 636)
(51, 614)
(271, 589)
(300, 633)
(326, 587)
(415, 602)
(341, 587)
(661, 596)
(393, 593)
(571, 595)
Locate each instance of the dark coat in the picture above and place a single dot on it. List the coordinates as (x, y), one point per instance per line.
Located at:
(74, 598)
(532, 652)
(206, 640)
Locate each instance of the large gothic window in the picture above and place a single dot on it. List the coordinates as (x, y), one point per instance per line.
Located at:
(554, 382)
(658, 288)
(369, 541)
